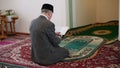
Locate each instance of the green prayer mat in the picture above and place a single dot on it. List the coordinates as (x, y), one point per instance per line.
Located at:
(107, 31)
(81, 47)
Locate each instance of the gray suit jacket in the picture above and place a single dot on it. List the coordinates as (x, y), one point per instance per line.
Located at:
(45, 49)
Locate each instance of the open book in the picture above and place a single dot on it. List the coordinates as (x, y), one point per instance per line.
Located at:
(62, 29)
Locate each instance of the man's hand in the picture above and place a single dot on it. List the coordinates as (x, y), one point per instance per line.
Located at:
(58, 34)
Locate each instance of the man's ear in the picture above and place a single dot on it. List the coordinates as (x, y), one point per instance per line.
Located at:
(49, 13)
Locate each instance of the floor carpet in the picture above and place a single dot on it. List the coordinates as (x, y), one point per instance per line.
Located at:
(17, 55)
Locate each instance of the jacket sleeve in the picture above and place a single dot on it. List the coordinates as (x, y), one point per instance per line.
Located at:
(53, 38)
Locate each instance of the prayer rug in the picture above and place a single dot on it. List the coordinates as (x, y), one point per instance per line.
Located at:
(81, 47)
(108, 31)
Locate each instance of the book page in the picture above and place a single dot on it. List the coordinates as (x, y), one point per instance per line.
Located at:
(63, 30)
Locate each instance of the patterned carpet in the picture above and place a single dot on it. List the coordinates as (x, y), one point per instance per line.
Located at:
(17, 55)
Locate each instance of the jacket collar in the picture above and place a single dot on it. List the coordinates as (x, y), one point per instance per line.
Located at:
(44, 16)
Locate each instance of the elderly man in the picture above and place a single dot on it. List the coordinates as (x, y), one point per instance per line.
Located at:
(45, 49)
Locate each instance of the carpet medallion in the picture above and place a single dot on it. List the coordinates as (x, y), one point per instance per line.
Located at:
(102, 32)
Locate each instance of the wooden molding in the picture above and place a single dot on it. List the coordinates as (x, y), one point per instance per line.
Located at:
(22, 33)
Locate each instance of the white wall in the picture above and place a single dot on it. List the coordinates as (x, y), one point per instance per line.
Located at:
(107, 10)
(27, 10)
(84, 12)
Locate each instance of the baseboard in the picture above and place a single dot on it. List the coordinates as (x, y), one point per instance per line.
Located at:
(22, 33)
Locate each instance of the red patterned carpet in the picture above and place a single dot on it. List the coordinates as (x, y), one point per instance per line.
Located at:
(18, 53)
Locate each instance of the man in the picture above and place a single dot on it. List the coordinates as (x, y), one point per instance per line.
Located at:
(45, 49)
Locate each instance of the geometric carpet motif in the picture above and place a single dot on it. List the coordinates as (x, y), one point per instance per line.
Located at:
(107, 31)
(18, 56)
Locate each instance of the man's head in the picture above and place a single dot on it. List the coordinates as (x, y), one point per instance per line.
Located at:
(47, 9)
